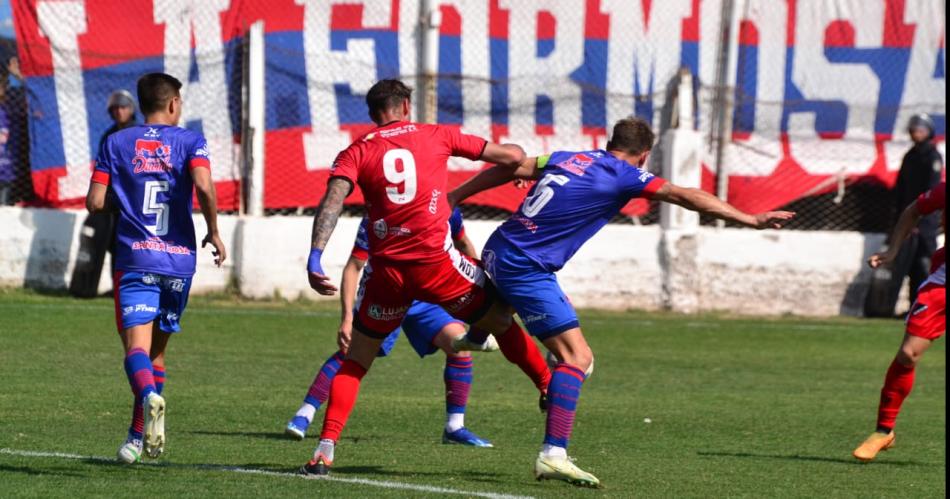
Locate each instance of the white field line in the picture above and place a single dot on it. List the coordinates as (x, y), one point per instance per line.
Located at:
(255, 471)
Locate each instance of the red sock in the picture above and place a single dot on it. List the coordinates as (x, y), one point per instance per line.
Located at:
(897, 386)
(520, 350)
(343, 392)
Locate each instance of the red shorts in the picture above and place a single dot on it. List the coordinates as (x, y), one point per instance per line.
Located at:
(388, 289)
(927, 318)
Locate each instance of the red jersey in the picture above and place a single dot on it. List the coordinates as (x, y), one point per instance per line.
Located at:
(929, 202)
(401, 169)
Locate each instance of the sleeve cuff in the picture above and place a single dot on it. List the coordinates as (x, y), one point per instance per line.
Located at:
(652, 187)
(359, 254)
(199, 163)
(100, 177)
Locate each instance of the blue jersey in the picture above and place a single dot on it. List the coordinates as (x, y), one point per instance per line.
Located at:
(361, 244)
(576, 195)
(148, 168)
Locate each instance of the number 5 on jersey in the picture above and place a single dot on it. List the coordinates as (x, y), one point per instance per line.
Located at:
(407, 176)
(543, 193)
(151, 206)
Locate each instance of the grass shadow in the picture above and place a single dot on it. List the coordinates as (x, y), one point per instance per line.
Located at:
(800, 457)
(26, 470)
(268, 435)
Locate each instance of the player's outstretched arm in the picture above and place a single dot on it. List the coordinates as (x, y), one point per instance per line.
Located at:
(905, 225)
(208, 202)
(323, 224)
(707, 204)
(494, 177)
(348, 286)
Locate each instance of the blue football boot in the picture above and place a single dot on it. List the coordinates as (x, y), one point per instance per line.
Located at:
(463, 436)
(297, 428)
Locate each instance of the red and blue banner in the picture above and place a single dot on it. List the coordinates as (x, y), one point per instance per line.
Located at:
(822, 89)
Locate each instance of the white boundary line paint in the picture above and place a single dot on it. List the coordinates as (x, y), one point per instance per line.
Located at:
(255, 471)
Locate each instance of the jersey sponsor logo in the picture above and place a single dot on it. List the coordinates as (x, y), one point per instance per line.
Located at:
(202, 151)
(385, 314)
(434, 201)
(156, 244)
(399, 231)
(152, 133)
(151, 156)
(139, 307)
(528, 224)
(919, 308)
(174, 284)
(534, 318)
(459, 303)
(488, 260)
(395, 132)
(645, 177)
(380, 228)
(577, 163)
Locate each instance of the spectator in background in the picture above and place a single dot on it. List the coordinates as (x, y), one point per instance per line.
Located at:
(98, 235)
(18, 142)
(121, 107)
(8, 172)
(920, 170)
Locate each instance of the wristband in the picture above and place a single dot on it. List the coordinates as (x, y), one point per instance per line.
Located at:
(313, 262)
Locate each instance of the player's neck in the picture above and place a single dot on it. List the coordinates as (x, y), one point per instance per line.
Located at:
(633, 159)
(160, 119)
(390, 118)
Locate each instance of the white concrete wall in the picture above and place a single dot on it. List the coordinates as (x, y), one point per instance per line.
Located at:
(642, 267)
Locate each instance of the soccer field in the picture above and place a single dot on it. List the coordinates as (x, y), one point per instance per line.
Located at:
(697, 406)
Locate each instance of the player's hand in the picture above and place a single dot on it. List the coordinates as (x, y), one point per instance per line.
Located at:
(523, 183)
(773, 219)
(881, 259)
(219, 251)
(344, 334)
(319, 281)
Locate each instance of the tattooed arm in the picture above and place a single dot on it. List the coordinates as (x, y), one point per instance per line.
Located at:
(323, 224)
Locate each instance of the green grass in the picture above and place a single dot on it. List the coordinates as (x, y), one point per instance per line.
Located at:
(739, 408)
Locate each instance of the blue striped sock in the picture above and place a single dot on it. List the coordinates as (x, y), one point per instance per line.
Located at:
(563, 392)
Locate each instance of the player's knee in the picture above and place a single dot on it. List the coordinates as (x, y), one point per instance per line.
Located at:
(581, 358)
(908, 356)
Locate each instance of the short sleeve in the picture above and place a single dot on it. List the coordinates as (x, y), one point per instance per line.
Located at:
(198, 155)
(456, 225)
(346, 164)
(102, 172)
(932, 200)
(635, 182)
(464, 145)
(361, 244)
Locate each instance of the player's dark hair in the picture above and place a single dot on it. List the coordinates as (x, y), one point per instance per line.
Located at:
(155, 90)
(631, 135)
(386, 95)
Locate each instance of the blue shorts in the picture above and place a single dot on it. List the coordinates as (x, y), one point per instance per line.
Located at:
(142, 297)
(533, 292)
(421, 324)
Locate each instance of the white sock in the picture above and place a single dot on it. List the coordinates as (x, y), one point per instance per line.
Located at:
(454, 422)
(307, 411)
(553, 451)
(326, 448)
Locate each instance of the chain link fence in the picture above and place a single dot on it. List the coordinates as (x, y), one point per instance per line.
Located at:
(802, 104)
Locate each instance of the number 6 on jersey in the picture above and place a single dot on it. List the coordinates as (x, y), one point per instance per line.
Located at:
(407, 176)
